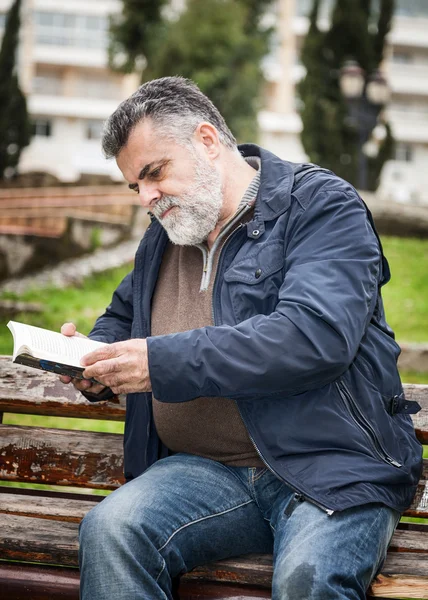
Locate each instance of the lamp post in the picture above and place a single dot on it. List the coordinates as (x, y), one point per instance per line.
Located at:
(366, 95)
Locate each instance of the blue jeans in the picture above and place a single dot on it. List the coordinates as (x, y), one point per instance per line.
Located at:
(186, 511)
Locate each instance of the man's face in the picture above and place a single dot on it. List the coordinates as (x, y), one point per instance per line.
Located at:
(177, 184)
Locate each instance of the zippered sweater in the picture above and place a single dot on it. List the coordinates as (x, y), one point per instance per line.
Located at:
(300, 342)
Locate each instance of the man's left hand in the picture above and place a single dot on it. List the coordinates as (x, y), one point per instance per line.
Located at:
(122, 366)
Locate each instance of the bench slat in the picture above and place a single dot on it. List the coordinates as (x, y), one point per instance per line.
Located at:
(29, 539)
(28, 391)
(61, 457)
(60, 509)
(419, 506)
(38, 582)
(32, 392)
(408, 563)
(409, 541)
(419, 392)
(399, 586)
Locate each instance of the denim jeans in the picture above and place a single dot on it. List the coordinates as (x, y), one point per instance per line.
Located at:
(186, 510)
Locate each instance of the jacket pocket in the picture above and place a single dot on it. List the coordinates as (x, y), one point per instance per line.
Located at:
(257, 266)
(364, 425)
(252, 284)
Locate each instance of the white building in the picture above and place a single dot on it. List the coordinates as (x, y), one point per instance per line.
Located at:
(63, 70)
(70, 90)
(404, 179)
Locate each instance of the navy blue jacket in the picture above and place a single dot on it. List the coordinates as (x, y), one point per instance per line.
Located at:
(300, 343)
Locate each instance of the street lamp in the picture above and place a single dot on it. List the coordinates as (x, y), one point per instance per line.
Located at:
(366, 95)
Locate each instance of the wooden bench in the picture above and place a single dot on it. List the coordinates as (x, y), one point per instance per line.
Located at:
(38, 545)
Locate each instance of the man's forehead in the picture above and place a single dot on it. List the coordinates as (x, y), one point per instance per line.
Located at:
(142, 152)
(151, 146)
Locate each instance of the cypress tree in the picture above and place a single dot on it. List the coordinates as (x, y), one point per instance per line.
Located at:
(218, 44)
(14, 122)
(357, 31)
(135, 33)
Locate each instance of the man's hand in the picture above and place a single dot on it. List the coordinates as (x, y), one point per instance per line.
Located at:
(83, 385)
(122, 366)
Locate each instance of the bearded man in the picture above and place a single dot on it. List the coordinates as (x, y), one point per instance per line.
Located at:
(265, 412)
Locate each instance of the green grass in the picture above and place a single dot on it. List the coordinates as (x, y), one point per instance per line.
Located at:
(414, 377)
(64, 423)
(81, 305)
(406, 295)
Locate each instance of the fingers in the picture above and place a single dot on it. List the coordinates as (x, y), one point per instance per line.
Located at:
(102, 354)
(69, 329)
(121, 366)
(83, 385)
(102, 368)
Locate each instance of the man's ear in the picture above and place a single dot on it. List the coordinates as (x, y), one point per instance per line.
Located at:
(207, 135)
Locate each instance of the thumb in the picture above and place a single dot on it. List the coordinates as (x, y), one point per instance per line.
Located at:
(69, 329)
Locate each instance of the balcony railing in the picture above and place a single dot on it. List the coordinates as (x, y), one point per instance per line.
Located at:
(409, 79)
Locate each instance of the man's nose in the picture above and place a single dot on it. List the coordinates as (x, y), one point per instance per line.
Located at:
(149, 194)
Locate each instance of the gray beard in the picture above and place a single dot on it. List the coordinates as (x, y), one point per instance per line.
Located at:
(198, 209)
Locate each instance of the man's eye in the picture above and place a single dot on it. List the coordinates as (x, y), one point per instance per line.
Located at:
(135, 189)
(156, 172)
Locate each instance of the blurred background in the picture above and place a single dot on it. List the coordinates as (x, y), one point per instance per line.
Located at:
(342, 83)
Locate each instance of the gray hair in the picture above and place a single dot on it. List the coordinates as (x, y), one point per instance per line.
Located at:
(176, 105)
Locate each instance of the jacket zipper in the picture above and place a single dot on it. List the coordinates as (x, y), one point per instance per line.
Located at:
(364, 425)
(231, 234)
(207, 253)
(298, 492)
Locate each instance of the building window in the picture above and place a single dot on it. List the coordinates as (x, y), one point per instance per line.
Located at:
(299, 105)
(412, 8)
(94, 130)
(401, 57)
(402, 106)
(64, 29)
(90, 85)
(403, 152)
(42, 127)
(48, 83)
(304, 7)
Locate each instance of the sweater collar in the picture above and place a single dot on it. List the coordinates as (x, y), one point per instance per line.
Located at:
(276, 183)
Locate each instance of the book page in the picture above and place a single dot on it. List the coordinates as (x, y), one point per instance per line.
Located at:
(43, 343)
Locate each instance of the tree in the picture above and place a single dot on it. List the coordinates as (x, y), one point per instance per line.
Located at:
(357, 31)
(134, 33)
(14, 122)
(219, 44)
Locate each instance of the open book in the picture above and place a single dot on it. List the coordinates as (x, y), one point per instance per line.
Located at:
(49, 350)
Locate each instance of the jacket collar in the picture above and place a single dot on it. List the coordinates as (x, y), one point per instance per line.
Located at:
(276, 183)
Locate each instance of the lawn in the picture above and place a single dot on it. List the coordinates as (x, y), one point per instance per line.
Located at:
(79, 304)
(406, 295)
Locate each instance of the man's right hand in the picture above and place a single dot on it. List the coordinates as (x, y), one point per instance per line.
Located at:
(83, 385)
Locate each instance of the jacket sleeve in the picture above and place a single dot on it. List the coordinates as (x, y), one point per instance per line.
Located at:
(115, 324)
(327, 298)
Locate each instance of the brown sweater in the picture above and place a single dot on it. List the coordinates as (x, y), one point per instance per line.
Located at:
(208, 427)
